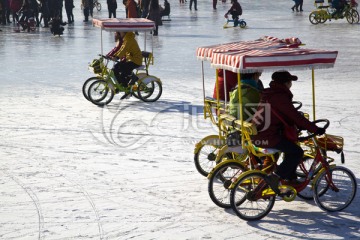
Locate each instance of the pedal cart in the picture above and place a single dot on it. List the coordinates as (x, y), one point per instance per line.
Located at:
(326, 11)
(241, 183)
(101, 88)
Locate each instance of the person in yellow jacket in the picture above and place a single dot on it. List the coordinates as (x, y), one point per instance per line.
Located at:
(130, 57)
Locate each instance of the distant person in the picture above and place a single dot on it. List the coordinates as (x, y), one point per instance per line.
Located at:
(339, 7)
(131, 9)
(144, 6)
(45, 12)
(86, 6)
(195, 4)
(231, 82)
(56, 26)
(154, 15)
(112, 6)
(235, 12)
(296, 6)
(166, 10)
(214, 4)
(69, 5)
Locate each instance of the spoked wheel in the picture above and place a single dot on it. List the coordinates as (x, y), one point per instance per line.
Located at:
(100, 93)
(149, 92)
(251, 198)
(355, 15)
(349, 17)
(86, 85)
(340, 190)
(98, 6)
(220, 181)
(205, 154)
(314, 18)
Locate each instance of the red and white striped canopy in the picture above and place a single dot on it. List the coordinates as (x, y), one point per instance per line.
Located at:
(124, 24)
(266, 53)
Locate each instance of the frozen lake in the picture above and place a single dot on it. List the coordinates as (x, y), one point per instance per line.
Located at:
(71, 170)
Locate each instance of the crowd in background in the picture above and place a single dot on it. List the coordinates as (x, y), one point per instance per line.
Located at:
(45, 11)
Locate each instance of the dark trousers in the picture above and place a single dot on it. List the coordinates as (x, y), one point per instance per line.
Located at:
(69, 14)
(112, 12)
(122, 70)
(293, 154)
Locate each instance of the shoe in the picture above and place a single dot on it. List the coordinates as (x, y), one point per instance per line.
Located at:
(273, 181)
(292, 182)
(126, 95)
(133, 79)
(292, 9)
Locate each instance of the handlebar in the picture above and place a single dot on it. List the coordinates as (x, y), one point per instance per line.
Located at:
(297, 103)
(327, 124)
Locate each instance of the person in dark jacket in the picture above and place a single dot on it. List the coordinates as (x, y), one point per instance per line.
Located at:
(270, 130)
(112, 6)
(69, 5)
(154, 15)
(56, 26)
(235, 11)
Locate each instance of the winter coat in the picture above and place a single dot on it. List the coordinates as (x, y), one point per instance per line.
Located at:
(231, 82)
(112, 5)
(130, 49)
(132, 9)
(154, 15)
(250, 99)
(270, 127)
(235, 8)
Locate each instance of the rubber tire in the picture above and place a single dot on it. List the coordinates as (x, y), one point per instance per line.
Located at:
(210, 164)
(85, 87)
(313, 18)
(217, 176)
(320, 196)
(242, 24)
(236, 204)
(98, 6)
(100, 102)
(148, 96)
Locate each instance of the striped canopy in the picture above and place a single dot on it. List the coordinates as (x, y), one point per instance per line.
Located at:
(124, 24)
(266, 53)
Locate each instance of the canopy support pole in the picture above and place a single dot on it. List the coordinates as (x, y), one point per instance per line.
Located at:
(313, 91)
(203, 80)
(241, 109)
(101, 35)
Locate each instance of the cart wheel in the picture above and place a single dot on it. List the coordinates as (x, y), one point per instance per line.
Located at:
(98, 6)
(98, 93)
(339, 193)
(85, 87)
(149, 92)
(220, 181)
(355, 15)
(349, 17)
(314, 18)
(242, 24)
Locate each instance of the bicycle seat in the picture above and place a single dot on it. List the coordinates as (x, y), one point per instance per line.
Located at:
(142, 67)
(145, 54)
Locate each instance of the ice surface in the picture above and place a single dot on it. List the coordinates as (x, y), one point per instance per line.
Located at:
(71, 170)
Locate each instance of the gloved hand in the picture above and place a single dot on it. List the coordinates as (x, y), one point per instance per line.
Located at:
(320, 131)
